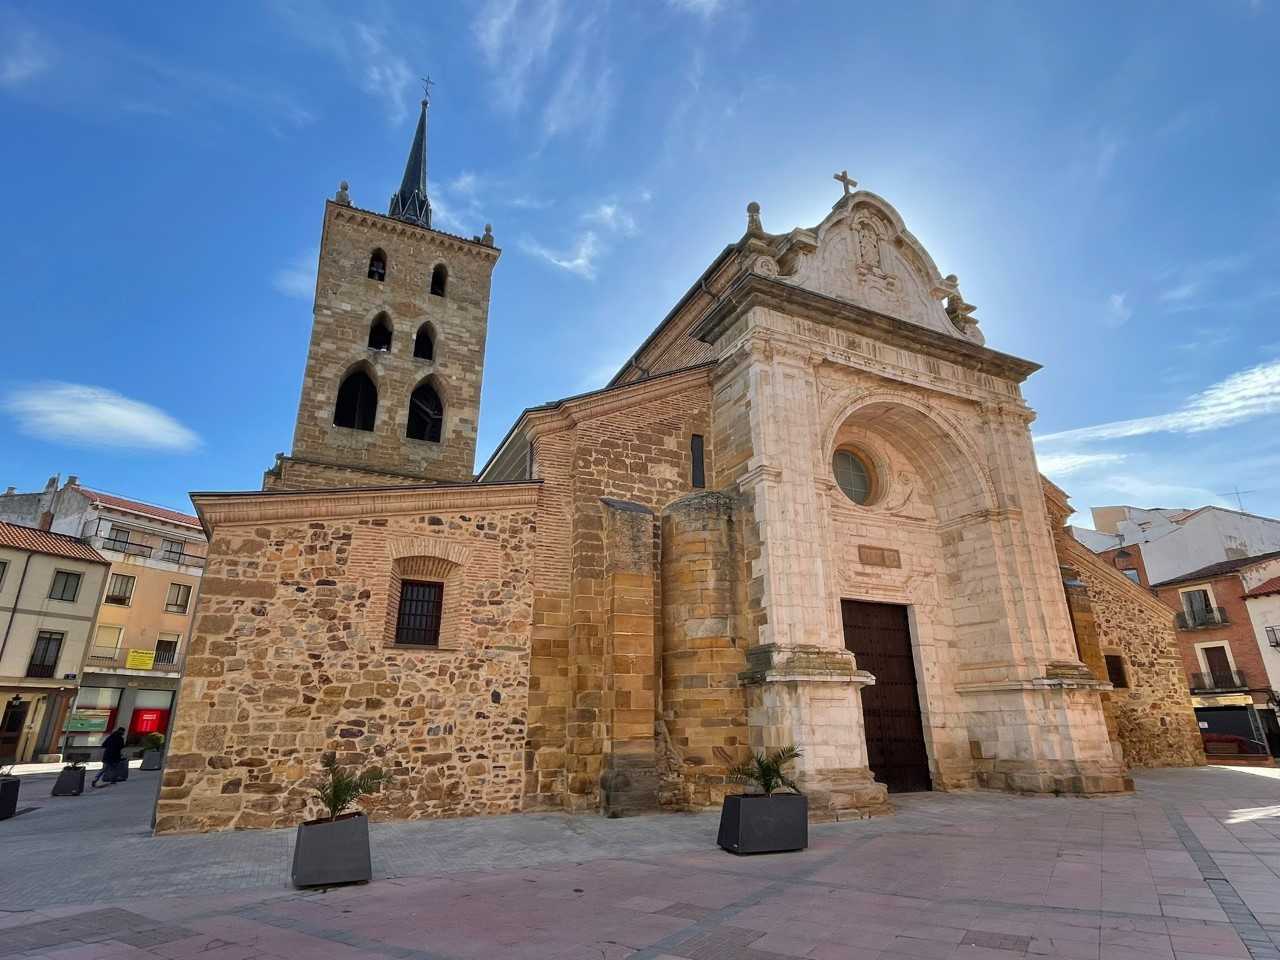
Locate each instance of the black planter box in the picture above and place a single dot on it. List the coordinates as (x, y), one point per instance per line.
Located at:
(70, 782)
(755, 823)
(152, 760)
(328, 852)
(8, 796)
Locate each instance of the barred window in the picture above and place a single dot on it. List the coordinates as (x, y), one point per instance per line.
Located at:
(418, 622)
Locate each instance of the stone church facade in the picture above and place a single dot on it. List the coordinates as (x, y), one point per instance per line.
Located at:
(807, 511)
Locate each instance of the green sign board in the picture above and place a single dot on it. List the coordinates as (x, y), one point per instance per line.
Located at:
(88, 721)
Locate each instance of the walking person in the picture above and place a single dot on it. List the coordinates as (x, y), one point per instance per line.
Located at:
(112, 752)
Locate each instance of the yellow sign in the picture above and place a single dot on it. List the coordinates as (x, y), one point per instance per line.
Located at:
(140, 660)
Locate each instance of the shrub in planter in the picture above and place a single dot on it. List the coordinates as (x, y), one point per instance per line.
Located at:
(152, 751)
(9, 785)
(335, 849)
(765, 822)
(70, 782)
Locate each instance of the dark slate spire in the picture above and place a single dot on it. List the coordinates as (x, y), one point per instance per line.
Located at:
(410, 202)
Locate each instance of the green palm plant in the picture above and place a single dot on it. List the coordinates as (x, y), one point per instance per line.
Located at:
(341, 788)
(766, 770)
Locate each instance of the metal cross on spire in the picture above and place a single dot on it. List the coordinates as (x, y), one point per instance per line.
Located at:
(427, 83)
(848, 181)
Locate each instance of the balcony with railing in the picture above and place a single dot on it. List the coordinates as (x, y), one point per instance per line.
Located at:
(166, 659)
(130, 548)
(1201, 619)
(41, 670)
(115, 537)
(182, 557)
(1219, 681)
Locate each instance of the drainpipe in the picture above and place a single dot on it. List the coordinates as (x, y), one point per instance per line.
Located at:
(13, 612)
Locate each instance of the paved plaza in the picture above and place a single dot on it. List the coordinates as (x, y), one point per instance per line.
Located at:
(1187, 869)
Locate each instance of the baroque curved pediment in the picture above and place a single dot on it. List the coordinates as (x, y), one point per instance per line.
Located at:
(863, 253)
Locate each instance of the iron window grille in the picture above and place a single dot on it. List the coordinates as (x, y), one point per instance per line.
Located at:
(44, 655)
(418, 619)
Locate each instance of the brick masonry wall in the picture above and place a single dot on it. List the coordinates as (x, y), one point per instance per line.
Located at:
(1153, 718)
(347, 301)
(293, 474)
(635, 449)
(291, 657)
(1237, 634)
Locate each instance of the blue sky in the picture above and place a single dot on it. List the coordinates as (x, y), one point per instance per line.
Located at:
(1102, 179)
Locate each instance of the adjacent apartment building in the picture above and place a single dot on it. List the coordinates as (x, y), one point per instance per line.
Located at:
(51, 586)
(134, 660)
(1154, 545)
(1227, 616)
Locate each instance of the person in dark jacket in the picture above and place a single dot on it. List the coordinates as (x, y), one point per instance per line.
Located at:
(112, 751)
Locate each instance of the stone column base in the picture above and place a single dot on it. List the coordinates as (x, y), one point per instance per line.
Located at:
(1053, 777)
(845, 794)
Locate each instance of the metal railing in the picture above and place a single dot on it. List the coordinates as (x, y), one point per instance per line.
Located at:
(40, 669)
(1200, 619)
(190, 559)
(1219, 680)
(128, 547)
(106, 658)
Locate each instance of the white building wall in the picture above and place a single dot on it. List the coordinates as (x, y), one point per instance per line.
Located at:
(1265, 612)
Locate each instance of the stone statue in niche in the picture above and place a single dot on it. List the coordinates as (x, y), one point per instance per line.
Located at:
(869, 246)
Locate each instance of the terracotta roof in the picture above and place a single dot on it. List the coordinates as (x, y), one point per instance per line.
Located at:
(1219, 569)
(43, 541)
(1266, 587)
(146, 509)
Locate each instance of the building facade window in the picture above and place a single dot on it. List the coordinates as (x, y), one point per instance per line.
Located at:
(167, 649)
(424, 345)
(172, 550)
(4, 566)
(106, 642)
(1133, 575)
(426, 414)
(120, 589)
(380, 333)
(179, 598)
(44, 655)
(699, 467)
(1273, 636)
(1116, 672)
(418, 619)
(377, 266)
(853, 476)
(65, 586)
(439, 280)
(357, 405)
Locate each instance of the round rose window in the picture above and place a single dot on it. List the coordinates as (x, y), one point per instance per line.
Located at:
(853, 476)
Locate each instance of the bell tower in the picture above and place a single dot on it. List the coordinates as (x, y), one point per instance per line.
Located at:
(391, 393)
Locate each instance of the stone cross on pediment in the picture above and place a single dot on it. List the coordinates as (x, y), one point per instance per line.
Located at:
(848, 181)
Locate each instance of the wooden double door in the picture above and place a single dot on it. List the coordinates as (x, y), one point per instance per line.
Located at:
(879, 636)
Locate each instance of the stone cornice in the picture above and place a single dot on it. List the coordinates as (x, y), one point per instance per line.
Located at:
(384, 224)
(237, 509)
(574, 410)
(753, 290)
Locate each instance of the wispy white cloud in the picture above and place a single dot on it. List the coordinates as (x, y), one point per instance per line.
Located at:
(1245, 395)
(515, 37)
(90, 416)
(580, 259)
(1065, 464)
(1183, 291)
(383, 73)
(1185, 284)
(1118, 311)
(612, 216)
(298, 278)
(369, 55)
(23, 57)
(702, 8)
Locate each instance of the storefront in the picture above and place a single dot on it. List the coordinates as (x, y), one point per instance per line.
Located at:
(101, 709)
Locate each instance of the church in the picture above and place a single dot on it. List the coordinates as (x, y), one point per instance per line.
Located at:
(806, 511)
